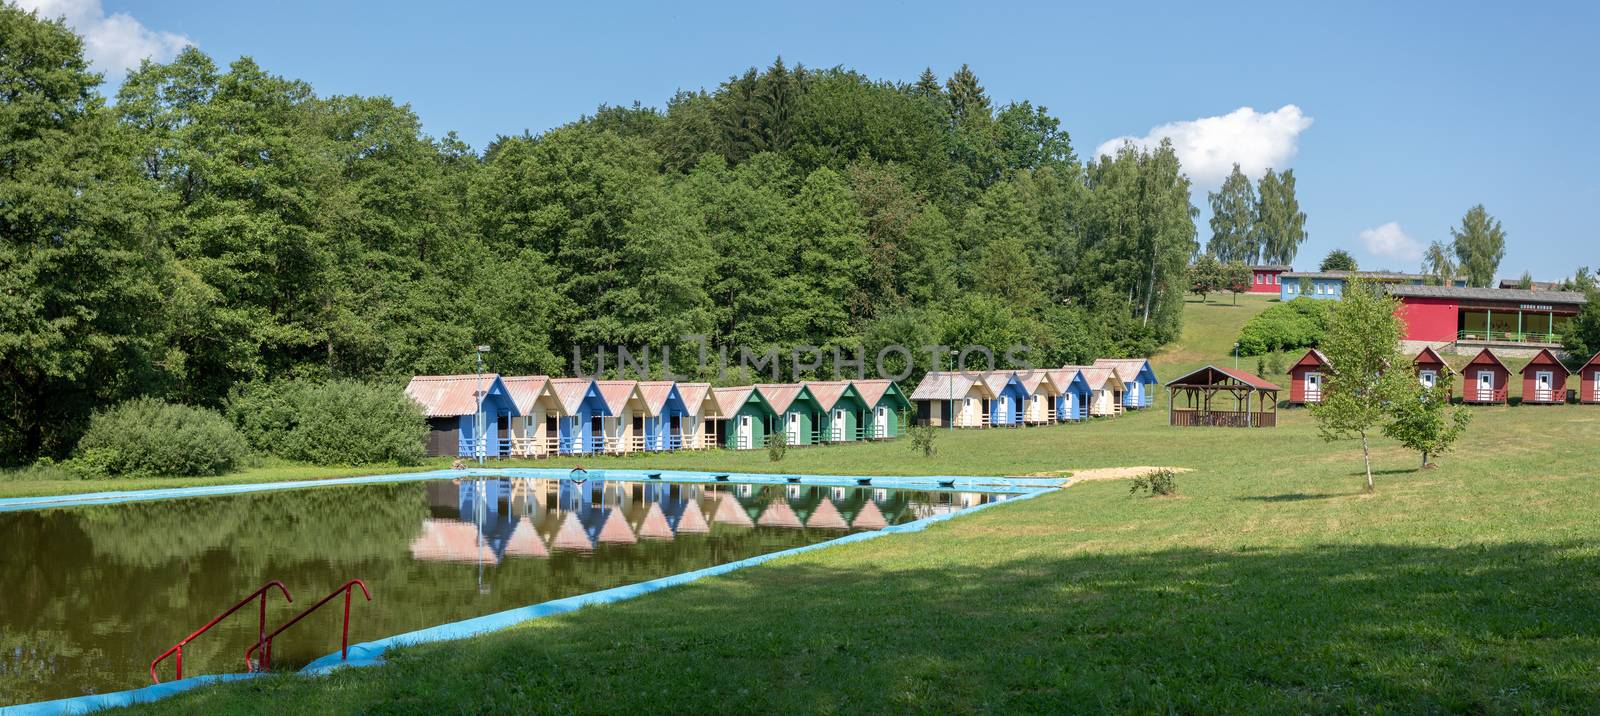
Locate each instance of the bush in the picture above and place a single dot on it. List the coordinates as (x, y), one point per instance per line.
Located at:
(1300, 323)
(922, 437)
(340, 422)
(1156, 482)
(146, 437)
(777, 445)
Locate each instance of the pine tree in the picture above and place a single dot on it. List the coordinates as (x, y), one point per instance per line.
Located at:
(1480, 244)
(1233, 211)
(927, 84)
(968, 101)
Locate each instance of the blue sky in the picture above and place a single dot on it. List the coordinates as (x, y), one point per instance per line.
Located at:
(1396, 117)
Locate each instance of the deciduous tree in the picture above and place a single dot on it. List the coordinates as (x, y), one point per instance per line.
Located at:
(1480, 244)
(1367, 371)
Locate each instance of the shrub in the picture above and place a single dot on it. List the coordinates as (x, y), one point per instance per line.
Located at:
(922, 437)
(147, 437)
(339, 422)
(1300, 323)
(777, 445)
(1156, 482)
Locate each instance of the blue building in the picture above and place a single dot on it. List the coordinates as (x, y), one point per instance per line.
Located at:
(1330, 284)
(580, 418)
(452, 405)
(1009, 396)
(1073, 402)
(1138, 380)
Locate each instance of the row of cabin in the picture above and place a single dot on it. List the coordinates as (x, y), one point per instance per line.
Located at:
(540, 416)
(1034, 397)
(1487, 380)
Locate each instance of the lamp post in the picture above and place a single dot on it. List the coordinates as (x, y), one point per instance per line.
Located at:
(481, 444)
(952, 379)
(1236, 356)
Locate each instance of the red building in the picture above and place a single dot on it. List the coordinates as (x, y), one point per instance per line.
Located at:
(1589, 381)
(1544, 380)
(1306, 376)
(1267, 279)
(1429, 366)
(1438, 315)
(1486, 379)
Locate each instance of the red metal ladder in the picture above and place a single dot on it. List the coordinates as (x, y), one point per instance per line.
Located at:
(265, 643)
(259, 594)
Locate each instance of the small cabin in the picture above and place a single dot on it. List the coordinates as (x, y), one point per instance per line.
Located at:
(795, 410)
(1138, 380)
(1105, 390)
(455, 405)
(530, 433)
(1306, 378)
(1486, 379)
(745, 417)
(887, 405)
(843, 412)
(1544, 380)
(1042, 395)
(702, 418)
(625, 423)
(1430, 366)
(952, 399)
(1589, 381)
(665, 425)
(1009, 396)
(1072, 403)
(580, 422)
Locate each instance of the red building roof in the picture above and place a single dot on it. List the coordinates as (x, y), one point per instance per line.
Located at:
(1428, 356)
(1545, 359)
(1487, 357)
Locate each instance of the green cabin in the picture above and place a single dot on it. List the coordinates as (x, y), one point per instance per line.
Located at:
(843, 414)
(795, 409)
(747, 417)
(887, 407)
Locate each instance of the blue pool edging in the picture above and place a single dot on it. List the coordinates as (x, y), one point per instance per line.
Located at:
(924, 482)
(371, 653)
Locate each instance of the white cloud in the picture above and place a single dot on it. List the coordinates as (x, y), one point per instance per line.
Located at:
(1208, 147)
(1391, 242)
(113, 43)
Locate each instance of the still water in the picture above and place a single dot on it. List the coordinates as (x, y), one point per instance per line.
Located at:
(89, 595)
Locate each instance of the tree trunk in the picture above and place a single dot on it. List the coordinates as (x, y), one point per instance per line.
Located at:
(1150, 287)
(1424, 459)
(1366, 458)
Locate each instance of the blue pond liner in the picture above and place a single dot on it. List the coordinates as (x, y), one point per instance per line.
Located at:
(371, 653)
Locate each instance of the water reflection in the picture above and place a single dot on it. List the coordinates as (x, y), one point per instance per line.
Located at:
(93, 593)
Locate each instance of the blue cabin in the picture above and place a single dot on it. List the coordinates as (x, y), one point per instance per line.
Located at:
(452, 405)
(1329, 285)
(1138, 380)
(1009, 397)
(1073, 402)
(580, 424)
(665, 415)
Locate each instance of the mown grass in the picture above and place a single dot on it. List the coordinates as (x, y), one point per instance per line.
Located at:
(38, 481)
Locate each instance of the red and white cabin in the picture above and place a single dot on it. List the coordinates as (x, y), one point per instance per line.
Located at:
(1486, 379)
(1544, 380)
(1267, 279)
(1589, 381)
(1430, 367)
(1306, 378)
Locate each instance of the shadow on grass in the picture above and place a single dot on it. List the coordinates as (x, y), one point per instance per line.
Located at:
(1297, 496)
(1506, 627)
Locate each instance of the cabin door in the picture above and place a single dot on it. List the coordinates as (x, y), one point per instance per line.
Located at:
(1542, 382)
(1005, 409)
(838, 425)
(1485, 385)
(1429, 379)
(1596, 384)
(794, 428)
(882, 421)
(746, 432)
(1313, 387)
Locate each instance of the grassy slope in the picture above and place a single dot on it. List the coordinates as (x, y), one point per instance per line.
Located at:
(1272, 584)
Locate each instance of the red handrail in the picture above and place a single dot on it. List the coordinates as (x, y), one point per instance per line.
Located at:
(344, 639)
(261, 626)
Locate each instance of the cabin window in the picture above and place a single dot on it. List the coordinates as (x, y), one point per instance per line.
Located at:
(638, 424)
(550, 425)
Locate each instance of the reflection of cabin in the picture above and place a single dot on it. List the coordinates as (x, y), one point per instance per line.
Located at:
(1589, 381)
(1544, 380)
(1219, 397)
(1306, 378)
(1486, 378)
(952, 399)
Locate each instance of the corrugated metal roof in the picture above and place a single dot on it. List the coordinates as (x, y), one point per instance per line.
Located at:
(526, 389)
(1063, 377)
(1517, 295)
(570, 392)
(1249, 379)
(996, 380)
(729, 400)
(1370, 275)
(448, 396)
(871, 390)
(1271, 267)
(694, 396)
(1096, 377)
(616, 393)
(827, 392)
(1127, 368)
(655, 394)
(947, 385)
(779, 395)
(1032, 380)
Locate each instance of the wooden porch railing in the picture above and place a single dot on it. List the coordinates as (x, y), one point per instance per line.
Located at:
(1223, 419)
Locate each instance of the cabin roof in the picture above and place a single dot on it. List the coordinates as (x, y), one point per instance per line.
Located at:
(694, 395)
(729, 400)
(781, 395)
(1064, 377)
(656, 393)
(1033, 380)
(1096, 377)
(1593, 360)
(947, 385)
(1545, 359)
(1212, 375)
(450, 396)
(570, 392)
(1428, 356)
(1479, 359)
(1518, 295)
(997, 380)
(828, 392)
(1128, 369)
(526, 389)
(1272, 267)
(873, 391)
(1315, 356)
(616, 393)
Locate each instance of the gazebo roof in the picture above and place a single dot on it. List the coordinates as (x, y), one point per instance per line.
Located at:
(1214, 377)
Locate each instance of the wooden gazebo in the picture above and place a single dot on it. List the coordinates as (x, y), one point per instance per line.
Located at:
(1219, 397)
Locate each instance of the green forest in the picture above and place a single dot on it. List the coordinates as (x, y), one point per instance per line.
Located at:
(207, 227)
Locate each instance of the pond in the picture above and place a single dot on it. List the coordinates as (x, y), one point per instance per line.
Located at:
(92, 594)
